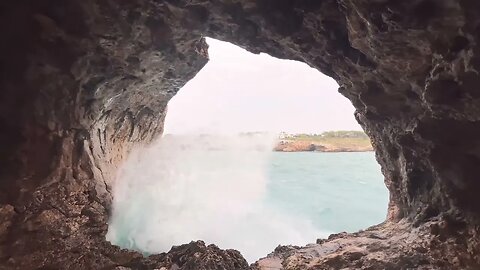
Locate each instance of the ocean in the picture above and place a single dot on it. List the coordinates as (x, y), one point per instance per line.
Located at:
(239, 194)
(337, 191)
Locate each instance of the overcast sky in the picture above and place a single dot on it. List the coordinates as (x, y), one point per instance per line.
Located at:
(238, 91)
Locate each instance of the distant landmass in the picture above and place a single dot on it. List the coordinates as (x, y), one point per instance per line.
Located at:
(330, 141)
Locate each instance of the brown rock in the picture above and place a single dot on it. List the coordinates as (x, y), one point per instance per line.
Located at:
(83, 82)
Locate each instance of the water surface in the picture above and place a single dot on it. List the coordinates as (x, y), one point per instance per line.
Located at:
(236, 193)
(337, 191)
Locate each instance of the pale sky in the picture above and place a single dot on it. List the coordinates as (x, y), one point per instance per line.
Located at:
(238, 91)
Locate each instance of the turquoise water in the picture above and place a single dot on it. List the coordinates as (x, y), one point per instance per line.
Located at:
(337, 191)
(236, 193)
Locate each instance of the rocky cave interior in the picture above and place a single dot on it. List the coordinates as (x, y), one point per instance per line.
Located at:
(84, 82)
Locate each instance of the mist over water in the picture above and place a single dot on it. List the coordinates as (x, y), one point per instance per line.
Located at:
(211, 188)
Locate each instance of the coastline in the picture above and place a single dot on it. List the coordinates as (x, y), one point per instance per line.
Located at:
(315, 146)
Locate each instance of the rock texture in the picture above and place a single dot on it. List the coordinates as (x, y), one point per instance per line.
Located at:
(82, 82)
(386, 246)
(439, 243)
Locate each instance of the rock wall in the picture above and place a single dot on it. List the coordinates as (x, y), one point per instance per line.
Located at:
(82, 82)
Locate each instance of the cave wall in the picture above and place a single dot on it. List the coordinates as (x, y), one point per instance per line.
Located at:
(83, 82)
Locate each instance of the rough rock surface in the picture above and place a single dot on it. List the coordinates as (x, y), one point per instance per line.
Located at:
(82, 82)
(386, 246)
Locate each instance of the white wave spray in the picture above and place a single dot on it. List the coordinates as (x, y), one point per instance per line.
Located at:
(210, 188)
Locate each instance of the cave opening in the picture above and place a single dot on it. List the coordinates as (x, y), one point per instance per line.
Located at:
(85, 82)
(213, 175)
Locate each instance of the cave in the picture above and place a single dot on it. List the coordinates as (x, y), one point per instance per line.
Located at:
(84, 82)
(213, 176)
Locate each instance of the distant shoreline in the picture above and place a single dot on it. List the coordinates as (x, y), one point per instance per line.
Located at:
(332, 141)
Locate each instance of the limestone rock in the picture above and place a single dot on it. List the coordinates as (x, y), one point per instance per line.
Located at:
(83, 82)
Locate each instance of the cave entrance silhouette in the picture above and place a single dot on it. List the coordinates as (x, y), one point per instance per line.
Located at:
(225, 185)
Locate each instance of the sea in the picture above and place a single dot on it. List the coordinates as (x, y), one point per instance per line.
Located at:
(336, 191)
(241, 196)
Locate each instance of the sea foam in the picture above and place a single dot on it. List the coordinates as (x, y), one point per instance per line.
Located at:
(210, 188)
